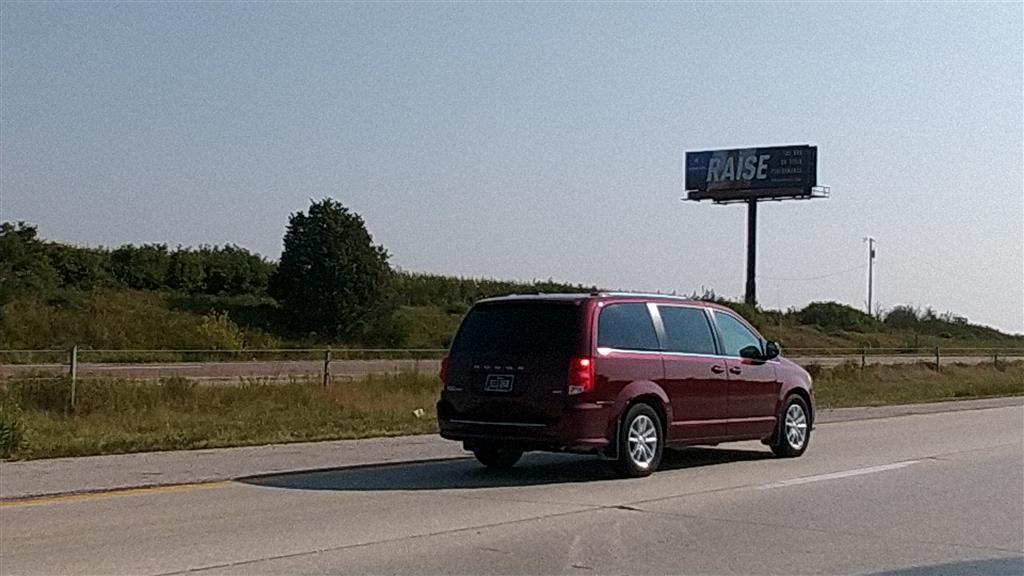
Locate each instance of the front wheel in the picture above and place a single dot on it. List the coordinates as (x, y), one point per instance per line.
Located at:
(794, 432)
(640, 442)
(497, 458)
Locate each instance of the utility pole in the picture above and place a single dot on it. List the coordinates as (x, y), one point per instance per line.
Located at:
(871, 271)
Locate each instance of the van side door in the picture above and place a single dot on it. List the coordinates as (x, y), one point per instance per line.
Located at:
(695, 376)
(627, 348)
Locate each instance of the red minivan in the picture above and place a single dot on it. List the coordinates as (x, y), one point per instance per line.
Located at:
(620, 375)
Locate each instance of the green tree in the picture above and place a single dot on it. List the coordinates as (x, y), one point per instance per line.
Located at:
(332, 279)
(24, 267)
(80, 268)
(185, 271)
(141, 267)
(234, 270)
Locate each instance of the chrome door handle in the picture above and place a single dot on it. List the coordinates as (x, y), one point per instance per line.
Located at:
(717, 369)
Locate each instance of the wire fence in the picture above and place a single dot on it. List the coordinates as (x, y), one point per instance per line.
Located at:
(305, 361)
(327, 365)
(140, 356)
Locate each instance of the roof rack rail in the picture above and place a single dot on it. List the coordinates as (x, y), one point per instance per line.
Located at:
(639, 294)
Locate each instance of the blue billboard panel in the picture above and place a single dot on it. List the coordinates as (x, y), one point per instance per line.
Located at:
(751, 172)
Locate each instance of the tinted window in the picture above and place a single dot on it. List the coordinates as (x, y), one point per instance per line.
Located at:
(627, 327)
(687, 330)
(735, 335)
(519, 327)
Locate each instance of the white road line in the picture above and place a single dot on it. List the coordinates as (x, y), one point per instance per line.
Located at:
(837, 475)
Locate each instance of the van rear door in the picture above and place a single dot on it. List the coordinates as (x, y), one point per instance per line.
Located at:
(511, 360)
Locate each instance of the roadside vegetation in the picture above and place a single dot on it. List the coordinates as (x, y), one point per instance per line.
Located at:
(333, 287)
(118, 416)
(850, 385)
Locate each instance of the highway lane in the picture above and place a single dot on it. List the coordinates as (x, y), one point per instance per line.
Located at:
(349, 369)
(939, 491)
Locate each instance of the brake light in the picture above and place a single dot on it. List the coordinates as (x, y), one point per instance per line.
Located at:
(444, 370)
(581, 376)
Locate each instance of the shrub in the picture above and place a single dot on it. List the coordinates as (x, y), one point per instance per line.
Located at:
(832, 316)
(43, 394)
(113, 320)
(902, 317)
(12, 429)
(220, 333)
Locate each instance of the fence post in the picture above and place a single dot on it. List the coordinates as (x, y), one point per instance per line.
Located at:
(995, 359)
(863, 358)
(937, 358)
(73, 373)
(327, 367)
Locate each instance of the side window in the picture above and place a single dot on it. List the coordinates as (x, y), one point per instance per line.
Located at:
(627, 327)
(687, 330)
(735, 335)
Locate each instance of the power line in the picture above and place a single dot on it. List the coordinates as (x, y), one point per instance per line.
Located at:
(829, 275)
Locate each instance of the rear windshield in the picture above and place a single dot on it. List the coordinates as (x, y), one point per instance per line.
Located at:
(519, 327)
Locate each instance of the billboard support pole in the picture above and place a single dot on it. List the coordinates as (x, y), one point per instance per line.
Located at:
(751, 293)
(749, 175)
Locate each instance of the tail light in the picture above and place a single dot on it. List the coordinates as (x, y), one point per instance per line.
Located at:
(444, 370)
(581, 375)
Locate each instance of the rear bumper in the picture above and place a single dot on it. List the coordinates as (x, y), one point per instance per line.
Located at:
(582, 427)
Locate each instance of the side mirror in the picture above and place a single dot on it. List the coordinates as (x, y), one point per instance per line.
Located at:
(751, 352)
(772, 350)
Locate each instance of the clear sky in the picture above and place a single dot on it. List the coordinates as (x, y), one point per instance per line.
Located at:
(535, 140)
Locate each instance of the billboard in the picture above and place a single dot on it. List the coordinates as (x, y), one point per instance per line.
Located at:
(744, 173)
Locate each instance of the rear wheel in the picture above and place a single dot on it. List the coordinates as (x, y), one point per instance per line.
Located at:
(794, 432)
(496, 457)
(640, 442)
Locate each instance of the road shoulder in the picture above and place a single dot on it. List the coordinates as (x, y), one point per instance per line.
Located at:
(61, 476)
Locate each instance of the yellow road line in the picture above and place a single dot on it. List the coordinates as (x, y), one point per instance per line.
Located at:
(111, 494)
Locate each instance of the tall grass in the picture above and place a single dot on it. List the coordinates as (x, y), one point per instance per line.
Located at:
(850, 385)
(116, 416)
(118, 319)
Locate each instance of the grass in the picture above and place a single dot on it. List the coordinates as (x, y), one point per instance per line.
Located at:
(118, 416)
(849, 385)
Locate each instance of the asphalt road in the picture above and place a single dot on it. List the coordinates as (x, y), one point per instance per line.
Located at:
(349, 369)
(923, 494)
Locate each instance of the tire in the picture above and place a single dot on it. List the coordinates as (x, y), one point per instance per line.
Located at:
(497, 458)
(794, 429)
(640, 443)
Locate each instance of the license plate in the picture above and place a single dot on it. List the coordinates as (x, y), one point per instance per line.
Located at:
(499, 383)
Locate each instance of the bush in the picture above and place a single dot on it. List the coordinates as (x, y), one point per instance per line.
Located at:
(427, 326)
(42, 394)
(902, 317)
(113, 320)
(832, 316)
(12, 429)
(455, 294)
(221, 333)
